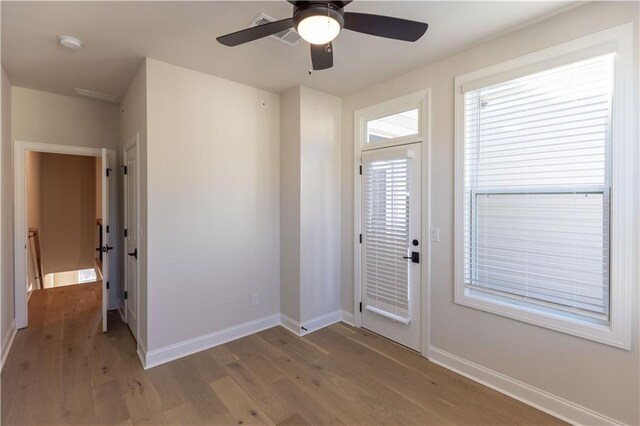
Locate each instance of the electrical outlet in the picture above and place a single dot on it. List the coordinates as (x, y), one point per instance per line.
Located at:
(255, 298)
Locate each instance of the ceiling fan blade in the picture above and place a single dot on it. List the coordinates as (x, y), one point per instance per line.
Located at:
(321, 56)
(385, 26)
(255, 33)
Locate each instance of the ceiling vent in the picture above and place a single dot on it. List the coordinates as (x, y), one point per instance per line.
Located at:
(289, 37)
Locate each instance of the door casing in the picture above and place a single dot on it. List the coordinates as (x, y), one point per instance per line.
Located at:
(422, 100)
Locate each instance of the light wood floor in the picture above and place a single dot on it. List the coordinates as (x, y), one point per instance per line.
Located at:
(63, 370)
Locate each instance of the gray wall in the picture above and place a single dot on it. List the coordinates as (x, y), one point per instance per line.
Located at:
(213, 201)
(6, 214)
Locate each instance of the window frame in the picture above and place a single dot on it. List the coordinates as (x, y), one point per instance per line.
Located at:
(617, 331)
(394, 106)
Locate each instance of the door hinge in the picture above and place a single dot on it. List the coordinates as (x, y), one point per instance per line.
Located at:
(108, 171)
(125, 232)
(124, 169)
(361, 169)
(107, 285)
(107, 229)
(360, 238)
(360, 306)
(126, 295)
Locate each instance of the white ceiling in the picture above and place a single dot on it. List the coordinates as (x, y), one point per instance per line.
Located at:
(117, 35)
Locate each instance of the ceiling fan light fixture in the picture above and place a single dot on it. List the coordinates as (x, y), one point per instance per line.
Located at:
(318, 29)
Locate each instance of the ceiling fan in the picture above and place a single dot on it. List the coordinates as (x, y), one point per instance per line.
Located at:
(319, 22)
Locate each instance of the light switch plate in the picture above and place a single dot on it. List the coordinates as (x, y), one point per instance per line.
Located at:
(435, 234)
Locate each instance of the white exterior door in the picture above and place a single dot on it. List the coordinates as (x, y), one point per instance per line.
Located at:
(391, 245)
(131, 238)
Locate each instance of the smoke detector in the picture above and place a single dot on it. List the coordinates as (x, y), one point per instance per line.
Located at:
(70, 42)
(289, 37)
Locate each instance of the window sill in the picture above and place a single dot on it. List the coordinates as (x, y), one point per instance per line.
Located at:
(583, 328)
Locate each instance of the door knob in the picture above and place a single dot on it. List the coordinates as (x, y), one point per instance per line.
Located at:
(134, 254)
(106, 248)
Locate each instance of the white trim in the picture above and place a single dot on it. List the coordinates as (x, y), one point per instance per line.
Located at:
(20, 214)
(141, 351)
(624, 197)
(319, 322)
(346, 317)
(156, 357)
(421, 98)
(537, 398)
(312, 325)
(8, 342)
(290, 324)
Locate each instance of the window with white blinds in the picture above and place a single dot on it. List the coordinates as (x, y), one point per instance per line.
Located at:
(537, 155)
(385, 188)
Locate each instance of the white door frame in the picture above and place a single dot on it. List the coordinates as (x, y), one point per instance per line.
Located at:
(134, 141)
(20, 213)
(422, 100)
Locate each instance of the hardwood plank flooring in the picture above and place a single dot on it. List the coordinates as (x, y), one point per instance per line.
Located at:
(63, 370)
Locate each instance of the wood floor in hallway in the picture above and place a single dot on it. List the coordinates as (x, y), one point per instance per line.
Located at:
(63, 370)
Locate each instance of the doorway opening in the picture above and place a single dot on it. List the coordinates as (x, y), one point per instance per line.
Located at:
(63, 202)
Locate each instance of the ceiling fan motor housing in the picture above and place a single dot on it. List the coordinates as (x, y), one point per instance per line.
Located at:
(317, 9)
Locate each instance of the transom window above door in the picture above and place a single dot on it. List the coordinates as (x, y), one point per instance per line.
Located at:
(394, 122)
(401, 124)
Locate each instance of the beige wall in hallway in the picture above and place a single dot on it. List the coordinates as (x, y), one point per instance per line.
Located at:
(68, 212)
(34, 189)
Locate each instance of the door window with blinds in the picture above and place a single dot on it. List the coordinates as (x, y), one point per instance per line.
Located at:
(386, 237)
(534, 190)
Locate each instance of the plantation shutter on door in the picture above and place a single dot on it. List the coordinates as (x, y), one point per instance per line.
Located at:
(385, 187)
(537, 188)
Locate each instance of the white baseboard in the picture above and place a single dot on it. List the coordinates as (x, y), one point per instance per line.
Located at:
(319, 322)
(542, 400)
(290, 324)
(347, 317)
(169, 353)
(7, 342)
(142, 355)
(310, 326)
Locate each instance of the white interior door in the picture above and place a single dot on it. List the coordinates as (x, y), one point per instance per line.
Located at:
(391, 246)
(131, 235)
(106, 243)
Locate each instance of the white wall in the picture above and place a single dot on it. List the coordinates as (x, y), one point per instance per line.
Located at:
(213, 202)
(6, 215)
(39, 116)
(132, 120)
(290, 204)
(320, 127)
(309, 204)
(602, 378)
